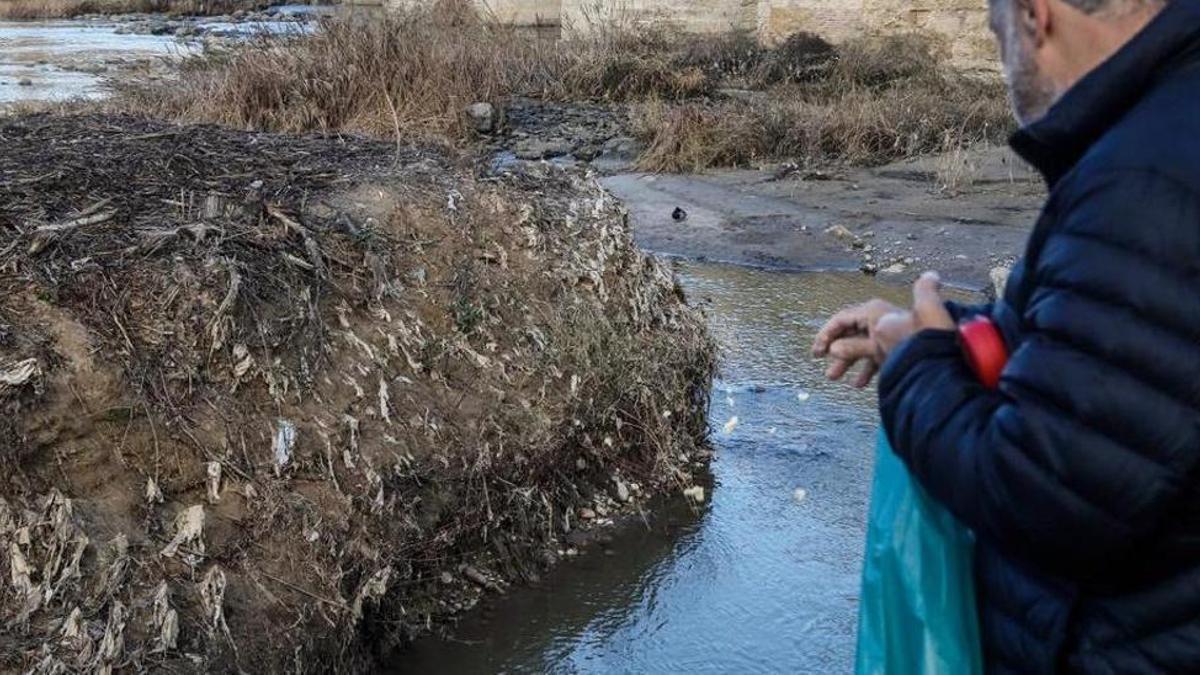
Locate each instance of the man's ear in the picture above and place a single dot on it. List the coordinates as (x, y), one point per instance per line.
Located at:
(1034, 18)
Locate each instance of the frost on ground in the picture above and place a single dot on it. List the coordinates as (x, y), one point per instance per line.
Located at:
(279, 403)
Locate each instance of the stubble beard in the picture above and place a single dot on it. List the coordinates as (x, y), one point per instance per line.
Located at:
(1031, 93)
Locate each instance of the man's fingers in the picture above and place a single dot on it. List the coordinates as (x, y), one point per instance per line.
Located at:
(928, 305)
(837, 369)
(866, 375)
(852, 348)
(847, 320)
(892, 329)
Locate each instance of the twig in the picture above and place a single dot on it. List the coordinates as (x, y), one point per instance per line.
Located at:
(84, 221)
(210, 455)
(157, 449)
(128, 342)
(151, 137)
(288, 222)
(333, 603)
(310, 245)
(94, 208)
(395, 120)
(36, 179)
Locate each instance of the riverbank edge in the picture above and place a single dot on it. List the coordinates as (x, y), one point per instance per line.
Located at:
(607, 484)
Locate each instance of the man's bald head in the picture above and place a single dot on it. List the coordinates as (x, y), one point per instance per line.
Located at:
(1048, 45)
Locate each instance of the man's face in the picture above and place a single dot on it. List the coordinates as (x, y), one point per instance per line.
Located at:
(1031, 92)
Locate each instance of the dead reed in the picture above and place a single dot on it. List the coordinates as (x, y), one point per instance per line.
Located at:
(876, 101)
(411, 71)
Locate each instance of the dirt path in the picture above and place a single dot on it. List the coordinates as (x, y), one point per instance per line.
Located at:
(893, 220)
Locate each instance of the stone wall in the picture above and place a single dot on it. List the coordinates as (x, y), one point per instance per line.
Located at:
(524, 12)
(711, 16)
(834, 20)
(960, 24)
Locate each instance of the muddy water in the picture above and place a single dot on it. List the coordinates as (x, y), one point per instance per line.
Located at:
(764, 578)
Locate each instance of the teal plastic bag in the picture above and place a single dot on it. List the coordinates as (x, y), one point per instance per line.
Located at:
(917, 612)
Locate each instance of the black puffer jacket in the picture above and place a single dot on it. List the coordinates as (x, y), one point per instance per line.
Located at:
(1081, 475)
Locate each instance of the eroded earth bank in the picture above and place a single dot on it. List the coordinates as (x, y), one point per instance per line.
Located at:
(280, 402)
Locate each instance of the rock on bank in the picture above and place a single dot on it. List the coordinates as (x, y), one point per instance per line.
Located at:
(277, 403)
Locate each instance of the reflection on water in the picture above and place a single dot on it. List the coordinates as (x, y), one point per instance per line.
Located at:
(766, 578)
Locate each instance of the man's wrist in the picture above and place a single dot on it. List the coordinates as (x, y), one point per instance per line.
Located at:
(922, 345)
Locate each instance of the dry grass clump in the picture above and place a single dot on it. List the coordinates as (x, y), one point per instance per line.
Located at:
(891, 60)
(738, 58)
(880, 100)
(410, 72)
(621, 62)
(65, 9)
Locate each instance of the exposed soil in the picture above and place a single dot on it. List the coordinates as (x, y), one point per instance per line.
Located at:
(283, 402)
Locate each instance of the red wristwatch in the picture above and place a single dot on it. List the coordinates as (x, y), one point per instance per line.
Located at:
(984, 349)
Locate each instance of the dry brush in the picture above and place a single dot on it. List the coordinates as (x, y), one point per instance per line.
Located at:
(412, 72)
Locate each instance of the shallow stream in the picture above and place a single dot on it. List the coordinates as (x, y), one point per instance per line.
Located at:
(764, 578)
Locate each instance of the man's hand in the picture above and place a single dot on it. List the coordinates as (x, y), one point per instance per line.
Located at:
(871, 331)
(928, 312)
(847, 339)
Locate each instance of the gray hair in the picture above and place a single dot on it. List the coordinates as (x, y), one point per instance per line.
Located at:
(1093, 6)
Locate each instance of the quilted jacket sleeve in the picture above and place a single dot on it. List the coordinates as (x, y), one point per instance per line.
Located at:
(1084, 449)
(960, 312)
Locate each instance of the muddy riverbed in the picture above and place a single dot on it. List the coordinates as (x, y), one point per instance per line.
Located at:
(893, 221)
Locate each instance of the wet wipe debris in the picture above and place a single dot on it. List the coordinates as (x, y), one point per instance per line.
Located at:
(262, 395)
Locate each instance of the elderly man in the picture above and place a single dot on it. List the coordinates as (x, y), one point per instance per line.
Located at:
(1080, 473)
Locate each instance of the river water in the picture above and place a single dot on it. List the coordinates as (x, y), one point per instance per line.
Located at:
(61, 60)
(765, 577)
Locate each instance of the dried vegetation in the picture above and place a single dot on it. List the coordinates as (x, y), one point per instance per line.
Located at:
(412, 73)
(870, 101)
(274, 402)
